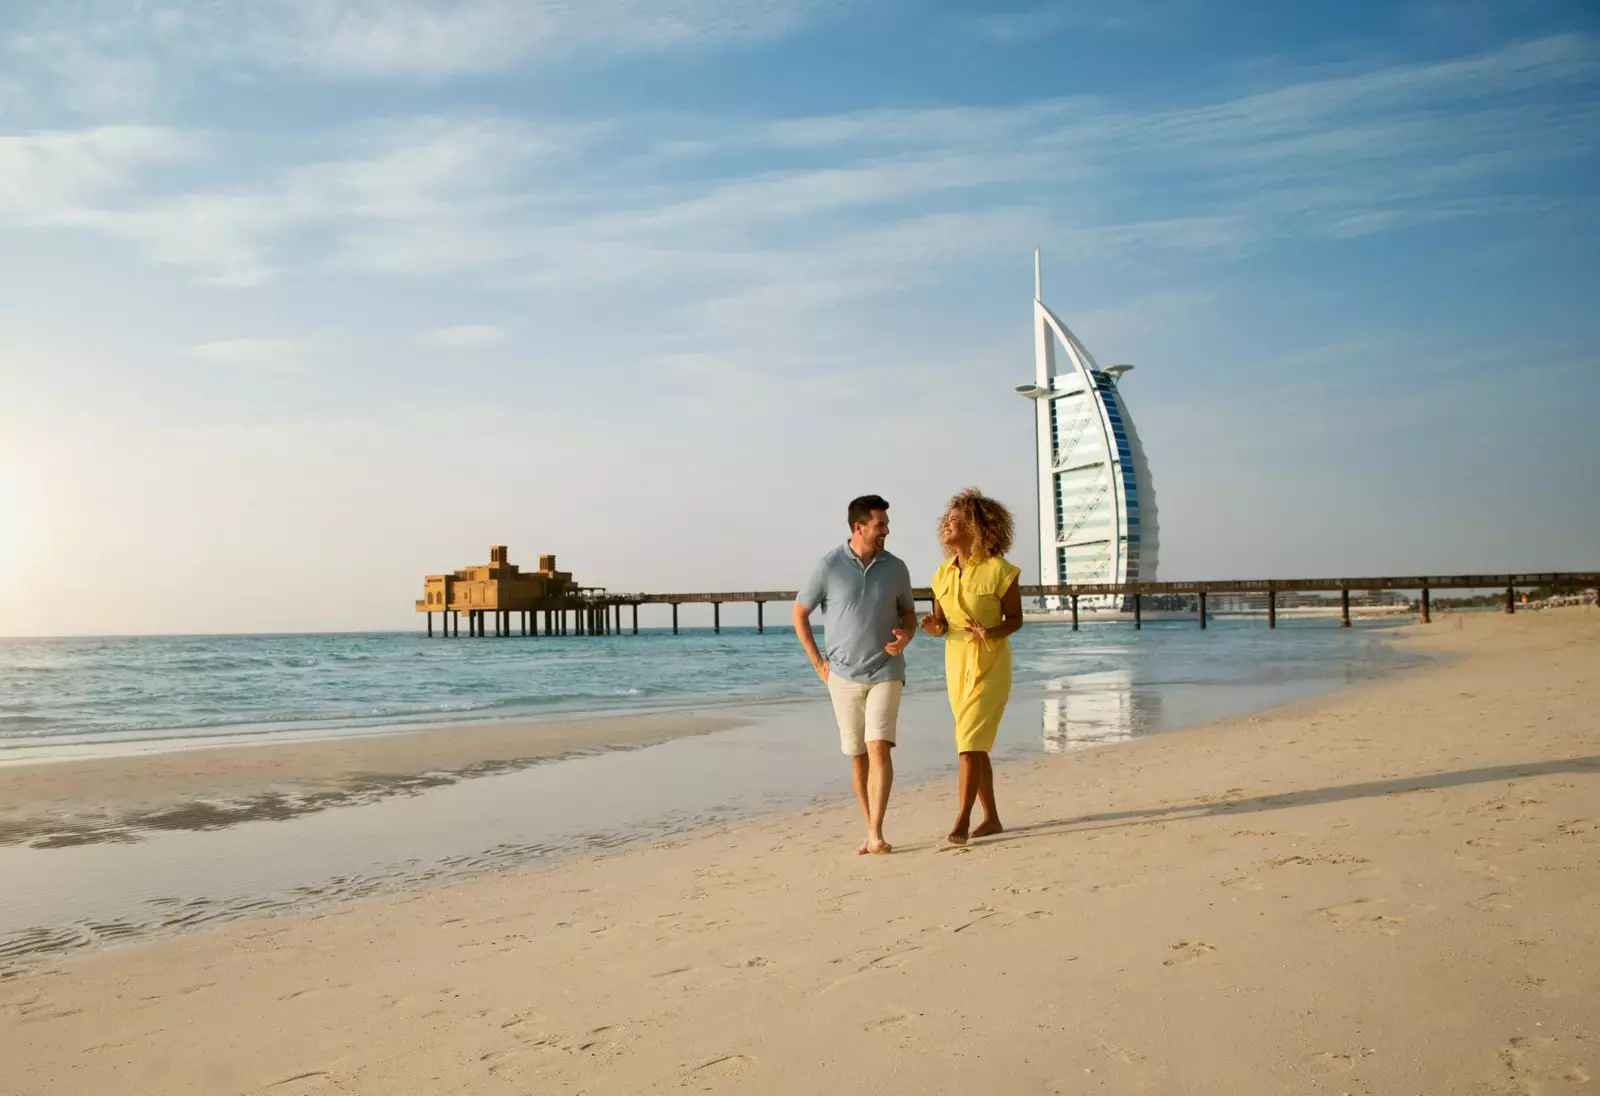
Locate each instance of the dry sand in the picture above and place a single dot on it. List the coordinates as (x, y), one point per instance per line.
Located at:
(1390, 890)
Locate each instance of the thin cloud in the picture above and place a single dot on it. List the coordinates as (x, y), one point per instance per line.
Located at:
(871, 200)
(44, 173)
(90, 44)
(270, 355)
(467, 336)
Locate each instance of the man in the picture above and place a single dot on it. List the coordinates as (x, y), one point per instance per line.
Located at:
(866, 595)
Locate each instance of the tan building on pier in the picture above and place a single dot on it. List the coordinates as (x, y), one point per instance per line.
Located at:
(501, 588)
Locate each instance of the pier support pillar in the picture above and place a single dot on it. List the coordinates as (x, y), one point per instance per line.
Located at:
(1272, 607)
(455, 621)
(716, 618)
(1511, 599)
(636, 618)
(1344, 607)
(430, 625)
(1202, 597)
(760, 626)
(674, 618)
(1427, 607)
(1074, 612)
(1138, 614)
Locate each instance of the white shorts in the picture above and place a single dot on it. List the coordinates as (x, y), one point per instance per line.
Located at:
(866, 711)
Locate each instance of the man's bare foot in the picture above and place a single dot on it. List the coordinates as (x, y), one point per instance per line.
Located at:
(877, 845)
(956, 838)
(988, 826)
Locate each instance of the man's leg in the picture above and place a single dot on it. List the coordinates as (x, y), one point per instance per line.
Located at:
(882, 716)
(859, 768)
(880, 778)
(850, 710)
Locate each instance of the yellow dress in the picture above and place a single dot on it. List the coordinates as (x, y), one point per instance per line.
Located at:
(976, 675)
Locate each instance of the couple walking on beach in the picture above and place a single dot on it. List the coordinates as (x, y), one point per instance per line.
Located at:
(865, 595)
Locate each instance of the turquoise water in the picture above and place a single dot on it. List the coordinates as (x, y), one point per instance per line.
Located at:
(108, 694)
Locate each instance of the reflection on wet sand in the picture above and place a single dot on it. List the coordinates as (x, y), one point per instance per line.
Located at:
(1096, 709)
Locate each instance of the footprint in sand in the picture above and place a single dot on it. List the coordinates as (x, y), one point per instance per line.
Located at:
(1364, 913)
(728, 1065)
(1539, 1066)
(312, 1081)
(1493, 902)
(1244, 882)
(1188, 951)
(1329, 1062)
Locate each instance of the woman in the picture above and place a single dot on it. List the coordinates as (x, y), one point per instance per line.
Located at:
(978, 604)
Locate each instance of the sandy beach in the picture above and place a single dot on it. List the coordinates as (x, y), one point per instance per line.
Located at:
(1386, 890)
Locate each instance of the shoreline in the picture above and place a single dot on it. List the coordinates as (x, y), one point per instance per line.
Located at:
(55, 803)
(1387, 888)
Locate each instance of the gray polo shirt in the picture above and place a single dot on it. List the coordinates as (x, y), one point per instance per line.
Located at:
(861, 608)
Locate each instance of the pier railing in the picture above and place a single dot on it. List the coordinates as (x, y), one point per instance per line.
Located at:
(599, 612)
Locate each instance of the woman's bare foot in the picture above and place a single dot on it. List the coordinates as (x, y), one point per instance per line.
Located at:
(863, 849)
(987, 827)
(877, 845)
(956, 838)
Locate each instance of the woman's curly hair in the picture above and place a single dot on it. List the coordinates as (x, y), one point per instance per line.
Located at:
(989, 520)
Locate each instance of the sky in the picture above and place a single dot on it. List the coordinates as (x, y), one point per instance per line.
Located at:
(301, 300)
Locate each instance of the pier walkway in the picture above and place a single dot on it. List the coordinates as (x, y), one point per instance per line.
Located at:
(596, 611)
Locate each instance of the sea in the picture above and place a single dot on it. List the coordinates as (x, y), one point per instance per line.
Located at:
(72, 698)
(67, 697)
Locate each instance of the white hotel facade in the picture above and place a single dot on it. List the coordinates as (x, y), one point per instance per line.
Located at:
(1097, 504)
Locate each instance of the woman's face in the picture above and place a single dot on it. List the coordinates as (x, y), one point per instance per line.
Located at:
(953, 533)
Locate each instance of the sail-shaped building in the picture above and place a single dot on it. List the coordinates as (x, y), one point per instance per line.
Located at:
(1097, 504)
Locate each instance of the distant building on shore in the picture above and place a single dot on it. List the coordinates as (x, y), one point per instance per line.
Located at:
(1097, 503)
(498, 584)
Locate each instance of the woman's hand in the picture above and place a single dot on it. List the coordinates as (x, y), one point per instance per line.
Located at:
(977, 631)
(933, 625)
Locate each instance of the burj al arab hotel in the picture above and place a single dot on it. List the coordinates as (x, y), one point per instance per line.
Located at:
(1097, 505)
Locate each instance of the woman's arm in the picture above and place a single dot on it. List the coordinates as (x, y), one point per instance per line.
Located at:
(934, 623)
(1010, 610)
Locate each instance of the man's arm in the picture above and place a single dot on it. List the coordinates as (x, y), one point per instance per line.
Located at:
(907, 604)
(802, 628)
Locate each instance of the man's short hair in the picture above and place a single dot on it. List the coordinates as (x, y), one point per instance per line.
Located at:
(860, 512)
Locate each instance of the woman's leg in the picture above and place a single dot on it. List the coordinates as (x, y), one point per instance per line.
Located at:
(968, 794)
(991, 813)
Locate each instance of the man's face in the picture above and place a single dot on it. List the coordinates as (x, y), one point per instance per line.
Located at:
(876, 531)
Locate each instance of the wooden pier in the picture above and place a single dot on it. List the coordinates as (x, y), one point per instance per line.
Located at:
(564, 608)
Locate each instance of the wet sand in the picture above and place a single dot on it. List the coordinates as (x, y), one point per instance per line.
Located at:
(104, 799)
(1386, 890)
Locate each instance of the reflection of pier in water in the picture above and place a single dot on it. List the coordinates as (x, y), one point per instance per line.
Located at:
(1096, 710)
